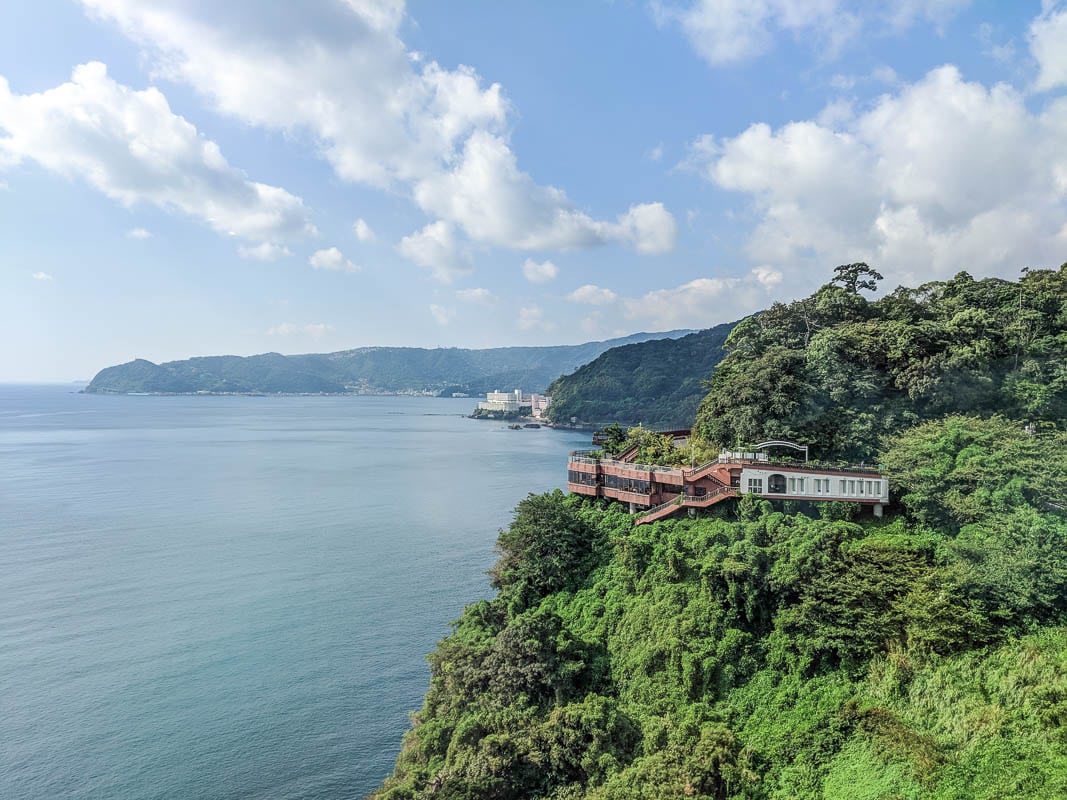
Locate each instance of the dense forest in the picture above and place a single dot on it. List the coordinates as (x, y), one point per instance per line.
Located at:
(766, 652)
(657, 383)
(841, 372)
(441, 370)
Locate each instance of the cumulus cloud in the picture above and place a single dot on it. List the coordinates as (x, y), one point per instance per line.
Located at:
(539, 272)
(363, 231)
(767, 276)
(129, 145)
(441, 314)
(941, 176)
(314, 330)
(42, 276)
(267, 251)
(730, 31)
(593, 295)
(333, 260)
(698, 303)
(325, 68)
(138, 233)
(437, 249)
(479, 295)
(1048, 46)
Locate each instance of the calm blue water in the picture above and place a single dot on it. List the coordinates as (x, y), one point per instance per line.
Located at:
(234, 597)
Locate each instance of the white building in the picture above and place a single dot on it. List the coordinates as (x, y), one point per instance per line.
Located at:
(511, 402)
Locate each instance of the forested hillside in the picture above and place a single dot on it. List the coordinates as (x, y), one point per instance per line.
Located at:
(657, 384)
(366, 369)
(841, 372)
(768, 653)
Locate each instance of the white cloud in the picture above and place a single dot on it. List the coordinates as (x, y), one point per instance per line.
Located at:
(130, 145)
(138, 233)
(656, 153)
(479, 295)
(363, 231)
(767, 276)
(593, 295)
(1002, 52)
(436, 249)
(267, 251)
(698, 304)
(326, 69)
(496, 203)
(314, 330)
(332, 259)
(542, 272)
(441, 314)
(649, 227)
(42, 276)
(941, 176)
(1048, 46)
(533, 318)
(730, 31)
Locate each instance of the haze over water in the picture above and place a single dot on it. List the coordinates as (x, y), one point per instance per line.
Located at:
(233, 597)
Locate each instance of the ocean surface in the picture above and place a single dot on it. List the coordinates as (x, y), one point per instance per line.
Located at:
(233, 597)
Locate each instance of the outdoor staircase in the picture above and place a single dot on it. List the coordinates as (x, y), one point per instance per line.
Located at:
(685, 501)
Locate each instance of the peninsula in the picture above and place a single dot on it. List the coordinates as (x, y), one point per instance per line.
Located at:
(781, 642)
(364, 370)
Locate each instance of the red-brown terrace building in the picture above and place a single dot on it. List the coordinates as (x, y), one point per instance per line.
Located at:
(655, 492)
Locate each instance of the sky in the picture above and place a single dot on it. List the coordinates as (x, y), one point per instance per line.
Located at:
(189, 177)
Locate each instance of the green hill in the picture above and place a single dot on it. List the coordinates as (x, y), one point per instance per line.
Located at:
(764, 653)
(366, 369)
(657, 383)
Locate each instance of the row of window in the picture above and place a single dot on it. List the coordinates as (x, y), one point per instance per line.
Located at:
(583, 478)
(846, 487)
(627, 484)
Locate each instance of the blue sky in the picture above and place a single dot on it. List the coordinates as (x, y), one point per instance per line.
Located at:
(187, 177)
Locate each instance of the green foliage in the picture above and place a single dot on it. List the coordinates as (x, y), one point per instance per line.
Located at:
(656, 383)
(547, 548)
(843, 372)
(773, 656)
(958, 470)
(760, 655)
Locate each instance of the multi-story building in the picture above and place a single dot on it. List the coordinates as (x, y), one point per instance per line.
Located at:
(511, 402)
(655, 492)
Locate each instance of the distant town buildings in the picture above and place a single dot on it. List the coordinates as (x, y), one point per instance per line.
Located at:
(511, 402)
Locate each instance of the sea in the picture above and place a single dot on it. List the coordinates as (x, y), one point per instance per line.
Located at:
(234, 597)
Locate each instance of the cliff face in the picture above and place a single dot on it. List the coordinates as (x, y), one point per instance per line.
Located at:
(382, 369)
(767, 652)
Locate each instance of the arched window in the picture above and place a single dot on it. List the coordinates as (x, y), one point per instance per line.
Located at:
(776, 484)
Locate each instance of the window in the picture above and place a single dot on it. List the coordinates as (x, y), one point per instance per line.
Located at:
(792, 485)
(776, 484)
(852, 487)
(842, 486)
(800, 485)
(877, 488)
(755, 485)
(870, 487)
(826, 485)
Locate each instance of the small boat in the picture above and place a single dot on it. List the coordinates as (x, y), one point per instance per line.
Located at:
(514, 427)
(531, 425)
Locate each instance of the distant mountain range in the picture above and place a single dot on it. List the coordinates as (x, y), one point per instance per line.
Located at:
(367, 370)
(655, 383)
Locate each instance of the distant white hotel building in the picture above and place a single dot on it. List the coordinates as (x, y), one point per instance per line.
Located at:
(511, 402)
